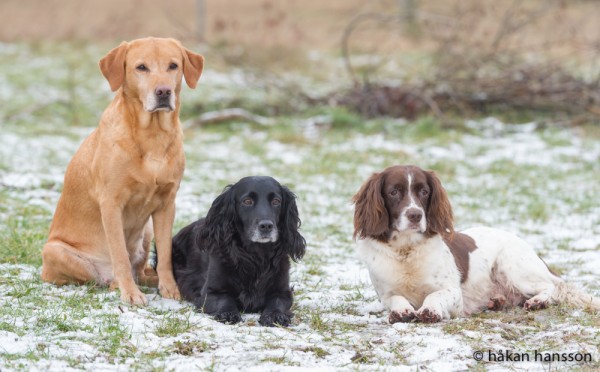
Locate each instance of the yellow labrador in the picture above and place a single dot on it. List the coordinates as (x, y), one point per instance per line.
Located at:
(124, 177)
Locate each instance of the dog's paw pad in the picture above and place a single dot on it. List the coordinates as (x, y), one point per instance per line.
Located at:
(428, 316)
(275, 318)
(496, 303)
(532, 305)
(405, 316)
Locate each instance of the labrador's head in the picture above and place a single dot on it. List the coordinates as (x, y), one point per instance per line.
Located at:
(150, 70)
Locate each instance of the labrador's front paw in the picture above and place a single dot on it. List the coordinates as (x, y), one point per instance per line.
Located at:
(133, 296)
(168, 289)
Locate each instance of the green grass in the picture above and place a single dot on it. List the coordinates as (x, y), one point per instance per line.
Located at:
(170, 324)
(332, 326)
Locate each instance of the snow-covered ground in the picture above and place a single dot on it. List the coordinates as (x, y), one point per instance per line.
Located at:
(495, 175)
(541, 183)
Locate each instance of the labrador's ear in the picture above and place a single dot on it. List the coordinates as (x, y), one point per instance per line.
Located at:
(113, 66)
(192, 67)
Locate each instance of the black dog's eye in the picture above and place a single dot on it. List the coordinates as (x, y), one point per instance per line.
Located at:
(142, 67)
(248, 202)
(276, 202)
(173, 66)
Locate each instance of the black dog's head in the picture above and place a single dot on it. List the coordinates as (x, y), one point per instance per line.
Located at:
(258, 210)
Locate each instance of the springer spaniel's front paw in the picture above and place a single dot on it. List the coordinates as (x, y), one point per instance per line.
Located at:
(274, 318)
(228, 317)
(535, 304)
(428, 316)
(496, 303)
(405, 316)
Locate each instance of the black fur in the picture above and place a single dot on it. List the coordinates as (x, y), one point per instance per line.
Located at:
(221, 267)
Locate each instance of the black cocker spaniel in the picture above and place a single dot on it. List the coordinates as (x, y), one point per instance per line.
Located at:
(237, 257)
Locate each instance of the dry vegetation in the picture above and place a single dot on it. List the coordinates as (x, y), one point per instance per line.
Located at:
(453, 57)
(538, 56)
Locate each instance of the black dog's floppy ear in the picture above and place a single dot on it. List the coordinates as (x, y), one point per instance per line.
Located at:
(220, 221)
(290, 222)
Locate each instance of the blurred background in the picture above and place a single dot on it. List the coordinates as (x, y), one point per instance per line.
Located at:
(501, 98)
(400, 58)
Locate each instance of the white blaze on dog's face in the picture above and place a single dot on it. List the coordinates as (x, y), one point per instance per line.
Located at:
(154, 69)
(406, 196)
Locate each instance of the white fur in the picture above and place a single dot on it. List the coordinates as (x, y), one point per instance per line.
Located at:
(412, 273)
(151, 102)
(256, 236)
(403, 223)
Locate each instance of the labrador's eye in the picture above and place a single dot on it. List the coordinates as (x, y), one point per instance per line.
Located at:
(276, 202)
(142, 67)
(173, 66)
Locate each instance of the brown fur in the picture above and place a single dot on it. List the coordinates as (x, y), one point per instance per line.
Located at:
(372, 218)
(439, 210)
(121, 184)
(370, 214)
(460, 246)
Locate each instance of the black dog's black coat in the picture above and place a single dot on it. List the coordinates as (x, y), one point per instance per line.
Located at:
(237, 258)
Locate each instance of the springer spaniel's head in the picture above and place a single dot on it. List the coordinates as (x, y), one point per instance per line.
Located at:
(402, 199)
(255, 210)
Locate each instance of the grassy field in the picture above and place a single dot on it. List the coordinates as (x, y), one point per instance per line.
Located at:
(538, 181)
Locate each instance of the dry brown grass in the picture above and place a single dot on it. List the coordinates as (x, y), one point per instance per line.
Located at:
(300, 23)
(291, 24)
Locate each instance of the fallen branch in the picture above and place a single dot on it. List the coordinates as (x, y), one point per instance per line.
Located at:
(226, 115)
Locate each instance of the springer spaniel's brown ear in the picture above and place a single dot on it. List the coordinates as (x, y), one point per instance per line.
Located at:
(370, 214)
(439, 210)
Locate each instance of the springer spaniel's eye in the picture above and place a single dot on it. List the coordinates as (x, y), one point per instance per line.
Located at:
(424, 193)
(276, 202)
(248, 202)
(395, 193)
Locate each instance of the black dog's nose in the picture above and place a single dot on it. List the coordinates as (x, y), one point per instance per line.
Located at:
(265, 226)
(414, 215)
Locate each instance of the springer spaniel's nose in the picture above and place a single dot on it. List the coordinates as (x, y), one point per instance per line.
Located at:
(265, 226)
(414, 215)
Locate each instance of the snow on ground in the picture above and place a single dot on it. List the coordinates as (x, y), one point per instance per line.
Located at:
(339, 323)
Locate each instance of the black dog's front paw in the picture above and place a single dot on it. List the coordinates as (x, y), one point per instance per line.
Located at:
(228, 317)
(274, 318)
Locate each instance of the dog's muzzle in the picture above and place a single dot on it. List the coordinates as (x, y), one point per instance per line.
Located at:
(265, 231)
(163, 96)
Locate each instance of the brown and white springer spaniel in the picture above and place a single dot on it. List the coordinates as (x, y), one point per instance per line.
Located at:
(423, 270)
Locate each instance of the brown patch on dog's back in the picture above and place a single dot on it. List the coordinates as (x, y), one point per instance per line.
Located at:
(460, 246)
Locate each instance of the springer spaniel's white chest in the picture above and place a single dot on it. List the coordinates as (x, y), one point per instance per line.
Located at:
(413, 271)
